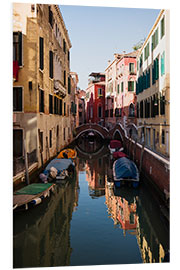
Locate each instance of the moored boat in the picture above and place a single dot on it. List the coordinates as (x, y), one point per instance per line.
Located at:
(58, 169)
(31, 195)
(67, 153)
(125, 170)
(115, 146)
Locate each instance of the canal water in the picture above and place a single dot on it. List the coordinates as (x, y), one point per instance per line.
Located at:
(87, 222)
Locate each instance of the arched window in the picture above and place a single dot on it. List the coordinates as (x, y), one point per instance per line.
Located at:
(131, 109)
(99, 111)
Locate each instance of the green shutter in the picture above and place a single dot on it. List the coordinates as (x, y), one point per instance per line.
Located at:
(163, 63)
(162, 28)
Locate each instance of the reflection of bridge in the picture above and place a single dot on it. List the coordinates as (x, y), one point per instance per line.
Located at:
(117, 132)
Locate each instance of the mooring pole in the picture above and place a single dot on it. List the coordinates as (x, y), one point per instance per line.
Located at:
(26, 164)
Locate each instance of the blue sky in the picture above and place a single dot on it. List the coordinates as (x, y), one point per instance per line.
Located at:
(96, 33)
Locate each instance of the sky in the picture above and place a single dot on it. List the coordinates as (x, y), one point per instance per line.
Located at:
(96, 33)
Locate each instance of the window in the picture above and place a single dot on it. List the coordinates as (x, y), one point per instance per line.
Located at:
(41, 100)
(50, 138)
(131, 86)
(117, 112)
(162, 105)
(111, 112)
(155, 70)
(152, 106)
(131, 67)
(137, 108)
(141, 109)
(106, 113)
(69, 85)
(99, 111)
(17, 143)
(162, 27)
(50, 104)
(64, 46)
(146, 52)
(51, 64)
(64, 78)
(118, 88)
(17, 99)
(100, 92)
(141, 60)
(64, 108)
(147, 109)
(60, 106)
(17, 47)
(41, 53)
(163, 136)
(64, 134)
(41, 140)
(122, 87)
(131, 110)
(56, 107)
(155, 39)
(50, 17)
(163, 63)
(91, 112)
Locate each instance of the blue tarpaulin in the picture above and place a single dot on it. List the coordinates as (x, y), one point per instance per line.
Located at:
(125, 168)
(59, 164)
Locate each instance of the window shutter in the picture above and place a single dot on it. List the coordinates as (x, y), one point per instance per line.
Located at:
(51, 64)
(20, 48)
(69, 85)
(163, 63)
(41, 53)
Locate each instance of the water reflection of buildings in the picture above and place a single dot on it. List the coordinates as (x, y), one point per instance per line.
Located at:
(133, 212)
(152, 230)
(42, 237)
(95, 155)
(122, 210)
(95, 175)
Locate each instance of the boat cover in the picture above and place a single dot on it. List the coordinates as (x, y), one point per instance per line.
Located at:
(33, 189)
(115, 144)
(119, 154)
(59, 164)
(124, 168)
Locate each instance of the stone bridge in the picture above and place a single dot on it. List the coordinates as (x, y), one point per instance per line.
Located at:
(117, 132)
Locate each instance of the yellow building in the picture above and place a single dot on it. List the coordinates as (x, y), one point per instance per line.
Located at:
(41, 85)
(153, 87)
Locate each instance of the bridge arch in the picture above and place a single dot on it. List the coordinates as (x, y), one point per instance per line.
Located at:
(102, 131)
(118, 129)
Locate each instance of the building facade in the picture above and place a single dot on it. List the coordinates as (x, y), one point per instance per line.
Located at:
(153, 87)
(41, 84)
(95, 99)
(120, 90)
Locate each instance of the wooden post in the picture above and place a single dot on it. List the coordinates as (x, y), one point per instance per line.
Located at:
(47, 147)
(26, 164)
(134, 153)
(40, 147)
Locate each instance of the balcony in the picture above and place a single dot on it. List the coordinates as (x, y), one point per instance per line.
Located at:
(59, 89)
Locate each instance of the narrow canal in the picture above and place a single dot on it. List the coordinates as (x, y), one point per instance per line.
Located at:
(87, 222)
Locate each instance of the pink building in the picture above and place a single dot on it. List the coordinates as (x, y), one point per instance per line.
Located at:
(121, 89)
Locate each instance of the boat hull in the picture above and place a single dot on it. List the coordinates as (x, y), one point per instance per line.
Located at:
(125, 172)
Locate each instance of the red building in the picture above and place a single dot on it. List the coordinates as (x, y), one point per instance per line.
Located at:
(95, 99)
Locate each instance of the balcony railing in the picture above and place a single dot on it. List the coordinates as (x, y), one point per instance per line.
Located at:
(59, 89)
